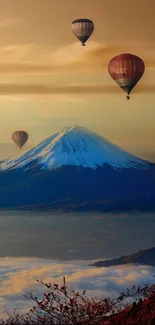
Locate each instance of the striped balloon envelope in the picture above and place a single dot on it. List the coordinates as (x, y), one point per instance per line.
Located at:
(82, 29)
(126, 69)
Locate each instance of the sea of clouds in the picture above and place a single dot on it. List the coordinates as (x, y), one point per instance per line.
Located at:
(18, 276)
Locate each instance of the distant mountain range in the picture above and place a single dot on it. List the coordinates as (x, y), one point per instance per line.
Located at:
(143, 257)
(75, 169)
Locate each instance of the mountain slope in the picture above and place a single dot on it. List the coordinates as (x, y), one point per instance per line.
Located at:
(143, 257)
(76, 169)
(75, 146)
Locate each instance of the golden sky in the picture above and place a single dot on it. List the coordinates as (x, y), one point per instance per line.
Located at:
(48, 80)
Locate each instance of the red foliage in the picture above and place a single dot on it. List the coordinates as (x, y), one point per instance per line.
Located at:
(60, 307)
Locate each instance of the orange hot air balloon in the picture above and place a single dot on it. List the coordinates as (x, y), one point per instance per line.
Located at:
(126, 69)
(20, 138)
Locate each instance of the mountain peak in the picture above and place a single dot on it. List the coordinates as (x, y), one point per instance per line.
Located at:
(74, 128)
(75, 146)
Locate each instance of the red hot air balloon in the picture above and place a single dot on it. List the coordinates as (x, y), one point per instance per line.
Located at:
(126, 69)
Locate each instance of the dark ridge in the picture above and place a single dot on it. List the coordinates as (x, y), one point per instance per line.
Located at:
(143, 257)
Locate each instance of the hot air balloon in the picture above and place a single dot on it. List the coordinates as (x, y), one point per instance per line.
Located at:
(126, 69)
(82, 29)
(20, 138)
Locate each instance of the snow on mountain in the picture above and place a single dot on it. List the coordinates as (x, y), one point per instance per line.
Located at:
(75, 146)
(108, 179)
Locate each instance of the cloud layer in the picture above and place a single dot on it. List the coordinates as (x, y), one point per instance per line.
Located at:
(35, 89)
(19, 275)
(35, 59)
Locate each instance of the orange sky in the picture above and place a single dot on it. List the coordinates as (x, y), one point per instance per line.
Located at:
(48, 80)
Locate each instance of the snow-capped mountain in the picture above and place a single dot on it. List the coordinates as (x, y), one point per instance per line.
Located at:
(76, 169)
(75, 146)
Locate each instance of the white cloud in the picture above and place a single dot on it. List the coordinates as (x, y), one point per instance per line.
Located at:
(19, 275)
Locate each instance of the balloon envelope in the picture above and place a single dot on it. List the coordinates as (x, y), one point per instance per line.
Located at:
(20, 138)
(126, 69)
(82, 29)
